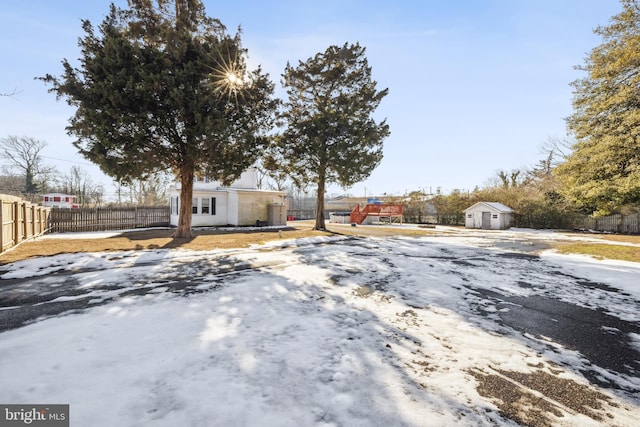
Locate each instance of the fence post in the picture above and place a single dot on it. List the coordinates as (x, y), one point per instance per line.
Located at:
(1, 225)
(33, 220)
(16, 222)
(25, 226)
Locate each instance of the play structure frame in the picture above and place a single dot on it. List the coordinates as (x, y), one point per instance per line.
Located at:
(392, 212)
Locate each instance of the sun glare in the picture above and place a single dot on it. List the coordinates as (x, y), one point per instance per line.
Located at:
(228, 77)
(233, 79)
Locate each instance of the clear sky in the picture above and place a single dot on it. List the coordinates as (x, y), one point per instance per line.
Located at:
(475, 86)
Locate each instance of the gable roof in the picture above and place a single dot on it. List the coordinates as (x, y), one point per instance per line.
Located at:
(493, 206)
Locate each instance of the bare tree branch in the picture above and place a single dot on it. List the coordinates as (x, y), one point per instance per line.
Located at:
(15, 92)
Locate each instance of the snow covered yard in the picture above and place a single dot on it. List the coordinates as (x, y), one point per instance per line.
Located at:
(340, 331)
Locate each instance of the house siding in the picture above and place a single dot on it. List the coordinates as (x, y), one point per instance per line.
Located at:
(239, 204)
(232, 207)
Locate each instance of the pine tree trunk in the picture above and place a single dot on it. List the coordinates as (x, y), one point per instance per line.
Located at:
(183, 231)
(320, 206)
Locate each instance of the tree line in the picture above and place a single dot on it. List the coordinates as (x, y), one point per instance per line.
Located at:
(25, 172)
(595, 170)
(534, 193)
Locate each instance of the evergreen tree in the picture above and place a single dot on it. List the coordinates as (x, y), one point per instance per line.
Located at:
(330, 135)
(603, 172)
(163, 87)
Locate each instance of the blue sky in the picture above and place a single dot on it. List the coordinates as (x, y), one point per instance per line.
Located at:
(475, 86)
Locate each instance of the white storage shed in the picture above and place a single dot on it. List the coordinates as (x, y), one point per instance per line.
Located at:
(488, 216)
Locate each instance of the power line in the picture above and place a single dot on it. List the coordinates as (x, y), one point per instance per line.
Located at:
(69, 161)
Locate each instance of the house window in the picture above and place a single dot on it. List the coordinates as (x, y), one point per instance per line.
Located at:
(213, 206)
(495, 216)
(56, 198)
(205, 206)
(194, 205)
(469, 216)
(46, 198)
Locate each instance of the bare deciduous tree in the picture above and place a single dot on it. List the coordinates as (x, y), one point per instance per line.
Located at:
(11, 184)
(152, 191)
(509, 179)
(78, 183)
(24, 157)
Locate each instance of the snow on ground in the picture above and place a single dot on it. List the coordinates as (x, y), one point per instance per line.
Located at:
(315, 332)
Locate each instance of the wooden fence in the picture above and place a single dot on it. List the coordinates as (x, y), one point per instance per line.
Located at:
(101, 219)
(626, 224)
(20, 220)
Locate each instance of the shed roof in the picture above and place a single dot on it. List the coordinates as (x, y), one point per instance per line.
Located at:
(493, 206)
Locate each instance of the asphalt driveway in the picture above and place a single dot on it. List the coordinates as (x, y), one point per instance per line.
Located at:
(575, 320)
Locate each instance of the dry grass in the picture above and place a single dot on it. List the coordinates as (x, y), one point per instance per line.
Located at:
(218, 239)
(605, 250)
(626, 238)
(600, 251)
(202, 240)
(151, 239)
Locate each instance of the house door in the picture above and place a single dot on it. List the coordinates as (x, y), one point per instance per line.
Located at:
(486, 220)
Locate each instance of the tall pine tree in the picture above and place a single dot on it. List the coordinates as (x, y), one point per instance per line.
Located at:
(163, 87)
(330, 135)
(603, 172)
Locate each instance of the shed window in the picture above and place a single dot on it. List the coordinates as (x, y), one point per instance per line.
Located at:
(495, 216)
(469, 216)
(194, 205)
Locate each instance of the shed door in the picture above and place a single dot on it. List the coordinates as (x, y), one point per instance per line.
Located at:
(486, 220)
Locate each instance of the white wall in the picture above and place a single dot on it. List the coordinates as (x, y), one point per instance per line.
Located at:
(248, 180)
(207, 220)
(254, 205)
(232, 208)
(473, 219)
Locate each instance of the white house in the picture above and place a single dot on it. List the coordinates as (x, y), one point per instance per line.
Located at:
(488, 216)
(241, 203)
(59, 200)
